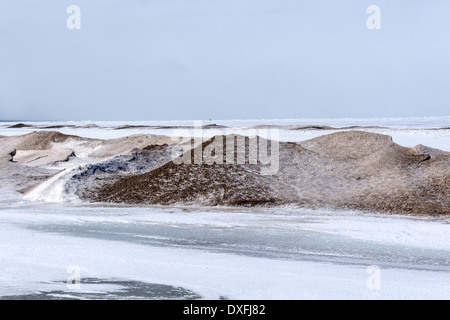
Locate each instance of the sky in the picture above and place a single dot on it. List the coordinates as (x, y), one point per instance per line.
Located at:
(223, 59)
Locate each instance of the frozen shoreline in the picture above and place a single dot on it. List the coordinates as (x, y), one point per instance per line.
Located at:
(345, 169)
(214, 252)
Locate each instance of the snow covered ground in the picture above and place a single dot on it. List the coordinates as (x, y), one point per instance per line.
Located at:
(221, 252)
(214, 253)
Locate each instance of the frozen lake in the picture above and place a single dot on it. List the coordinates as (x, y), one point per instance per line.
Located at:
(215, 253)
(430, 131)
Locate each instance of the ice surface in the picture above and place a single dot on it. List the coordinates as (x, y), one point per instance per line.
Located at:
(405, 122)
(405, 131)
(240, 254)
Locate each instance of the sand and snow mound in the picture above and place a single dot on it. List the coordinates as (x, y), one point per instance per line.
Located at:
(347, 169)
(356, 170)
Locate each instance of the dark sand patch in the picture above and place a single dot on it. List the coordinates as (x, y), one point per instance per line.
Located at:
(135, 290)
(20, 125)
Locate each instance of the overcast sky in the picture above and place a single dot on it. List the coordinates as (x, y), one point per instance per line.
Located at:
(223, 59)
